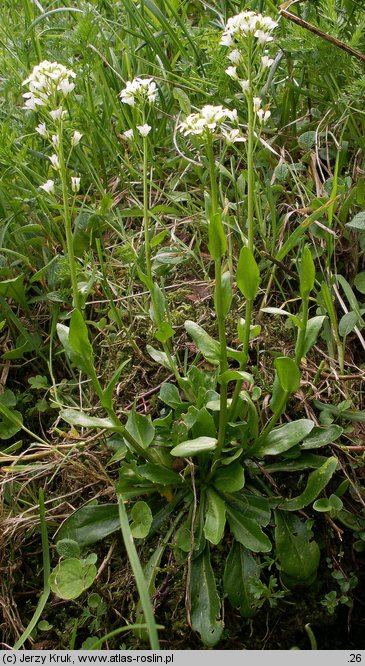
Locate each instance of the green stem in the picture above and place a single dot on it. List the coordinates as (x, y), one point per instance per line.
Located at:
(302, 333)
(67, 221)
(138, 575)
(223, 366)
(243, 365)
(147, 245)
(46, 574)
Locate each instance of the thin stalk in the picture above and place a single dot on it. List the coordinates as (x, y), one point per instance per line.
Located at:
(223, 366)
(250, 230)
(245, 346)
(68, 222)
(46, 574)
(147, 244)
(138, 575)
(302, 333)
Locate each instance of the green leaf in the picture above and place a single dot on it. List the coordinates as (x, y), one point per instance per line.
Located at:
(10, 419)
(204, 425)
(68, 548)
(359, 282)
(217, 242)
(90, 524)
(307, 139)
(183, 100)
(347, 324)
(160, 357)
(317, 481)
(297, 552)
(159, 475)
(235, 375)
(284, 313)
(322, 437)
(141, 428)
(288, 373)
(307, 273)
(164, 332)
(284, 437)
(314, 326)
(170, 395)
(240, 571)
(204, 601)
(248, 274)
(247, 532)
(108, 391)
(226, 293)
(75, 417)
(71, 577)
(358, 222)
(193, 447)
(333, 503)
(250, 506)
(230, 478)
(79, 338)
(209, 347)
(141, 520)
(215, 518)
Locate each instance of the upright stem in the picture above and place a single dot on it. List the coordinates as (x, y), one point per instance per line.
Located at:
(250, 168)
(68, 222)
(147, 245)
(218, 304)
(250, 229)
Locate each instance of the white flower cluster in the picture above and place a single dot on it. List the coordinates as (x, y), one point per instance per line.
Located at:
(46, 80)
(245, 24)
(140, 91)
(208, 119)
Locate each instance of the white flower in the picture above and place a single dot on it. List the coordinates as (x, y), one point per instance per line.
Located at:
(245, 84)
(76, 138)
(75, 183)
(54, 161)
(55, 140)
(234, 56)
(144, 129)
(226, 40)
(247, 23)
(48, 186)
(66, 87)
(56, 114)
(128, 134)
(208, 119)
(256, 103)
(232, 136)
(263, 115)
(232, 72)
(140, 90)
(263, 37)
(266, 61)
(41, 129)
(45, 81)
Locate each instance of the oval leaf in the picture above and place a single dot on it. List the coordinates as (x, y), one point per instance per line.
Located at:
(248, 274)
(284, 437)
(193, 447)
